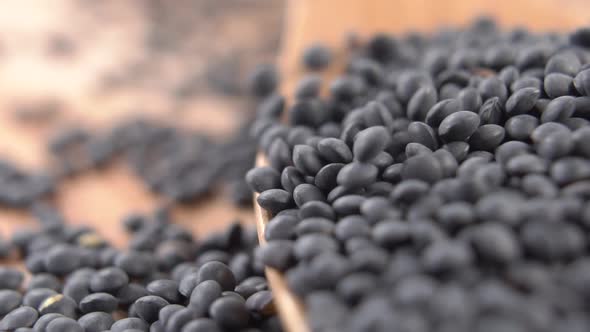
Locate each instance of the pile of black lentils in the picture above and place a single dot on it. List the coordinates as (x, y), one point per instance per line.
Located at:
(167, 281)
(442, 184)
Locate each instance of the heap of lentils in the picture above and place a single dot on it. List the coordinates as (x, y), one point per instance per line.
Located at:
(180, 165)
(442, 184)
(166, 281)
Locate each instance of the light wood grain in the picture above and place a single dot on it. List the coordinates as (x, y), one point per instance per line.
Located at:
(328, 21)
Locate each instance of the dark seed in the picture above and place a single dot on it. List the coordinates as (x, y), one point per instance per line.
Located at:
(493, 87)
(470, 99)
(525, 164)
(204, 295)
(564, 63)
(326, 177)
(218, 272)
(304, 193)
(547, 128)
(261, 303)
(311, 245)
(314, 225)
(557, 85)
(34, 297)
(281, 228)
(316, 57)
(522, 101)
(275, 200)
(420, 103)
(10, 278)
(422, 167)
(20, 317)
(148, 307)
(277, 254)
(229, 313)
(390, 234)
(526, 82)
(263, 178)
(581, 137)
(291, 178)
(511, 149)
(348, 204)
(447, 161)
(131, 323)
(570, 169)
(458, 126)
(559, 109)
(357, 175)
(308, 87)
(334, 150)
(520, 127)
(98, 302)
(492, 111)
(306, 159)
(382, 48)
(201, 325)
(423, 134)
(495, 242)
(44, 280)
(264, 80)
(58, 304)
(444, 256)
(166, 289)
(64, 324)
(167, 312)
(369, 142)
(43, 321)
(76, 289)
(307, 112)
(582, 82)
(439, 111)
(9, 300)
(487, 137)
(96, 322)
(352, 227)
(109, 280)
(555, 145)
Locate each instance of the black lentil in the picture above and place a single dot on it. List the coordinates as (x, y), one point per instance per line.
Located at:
(19, 317)
(98, 302)
(229, 313)
(316, 57)
(9, 300)
(96, 321)
(10, 278)
(64, 324)
(58, 304)
(201, 325)
(109, 279)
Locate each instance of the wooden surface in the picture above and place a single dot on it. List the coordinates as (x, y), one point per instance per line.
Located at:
(326, 21)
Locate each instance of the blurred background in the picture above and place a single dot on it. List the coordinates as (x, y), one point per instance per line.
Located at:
(99, 60)
(91, 64)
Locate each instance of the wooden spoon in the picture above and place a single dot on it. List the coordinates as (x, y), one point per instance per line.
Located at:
(328, 22)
